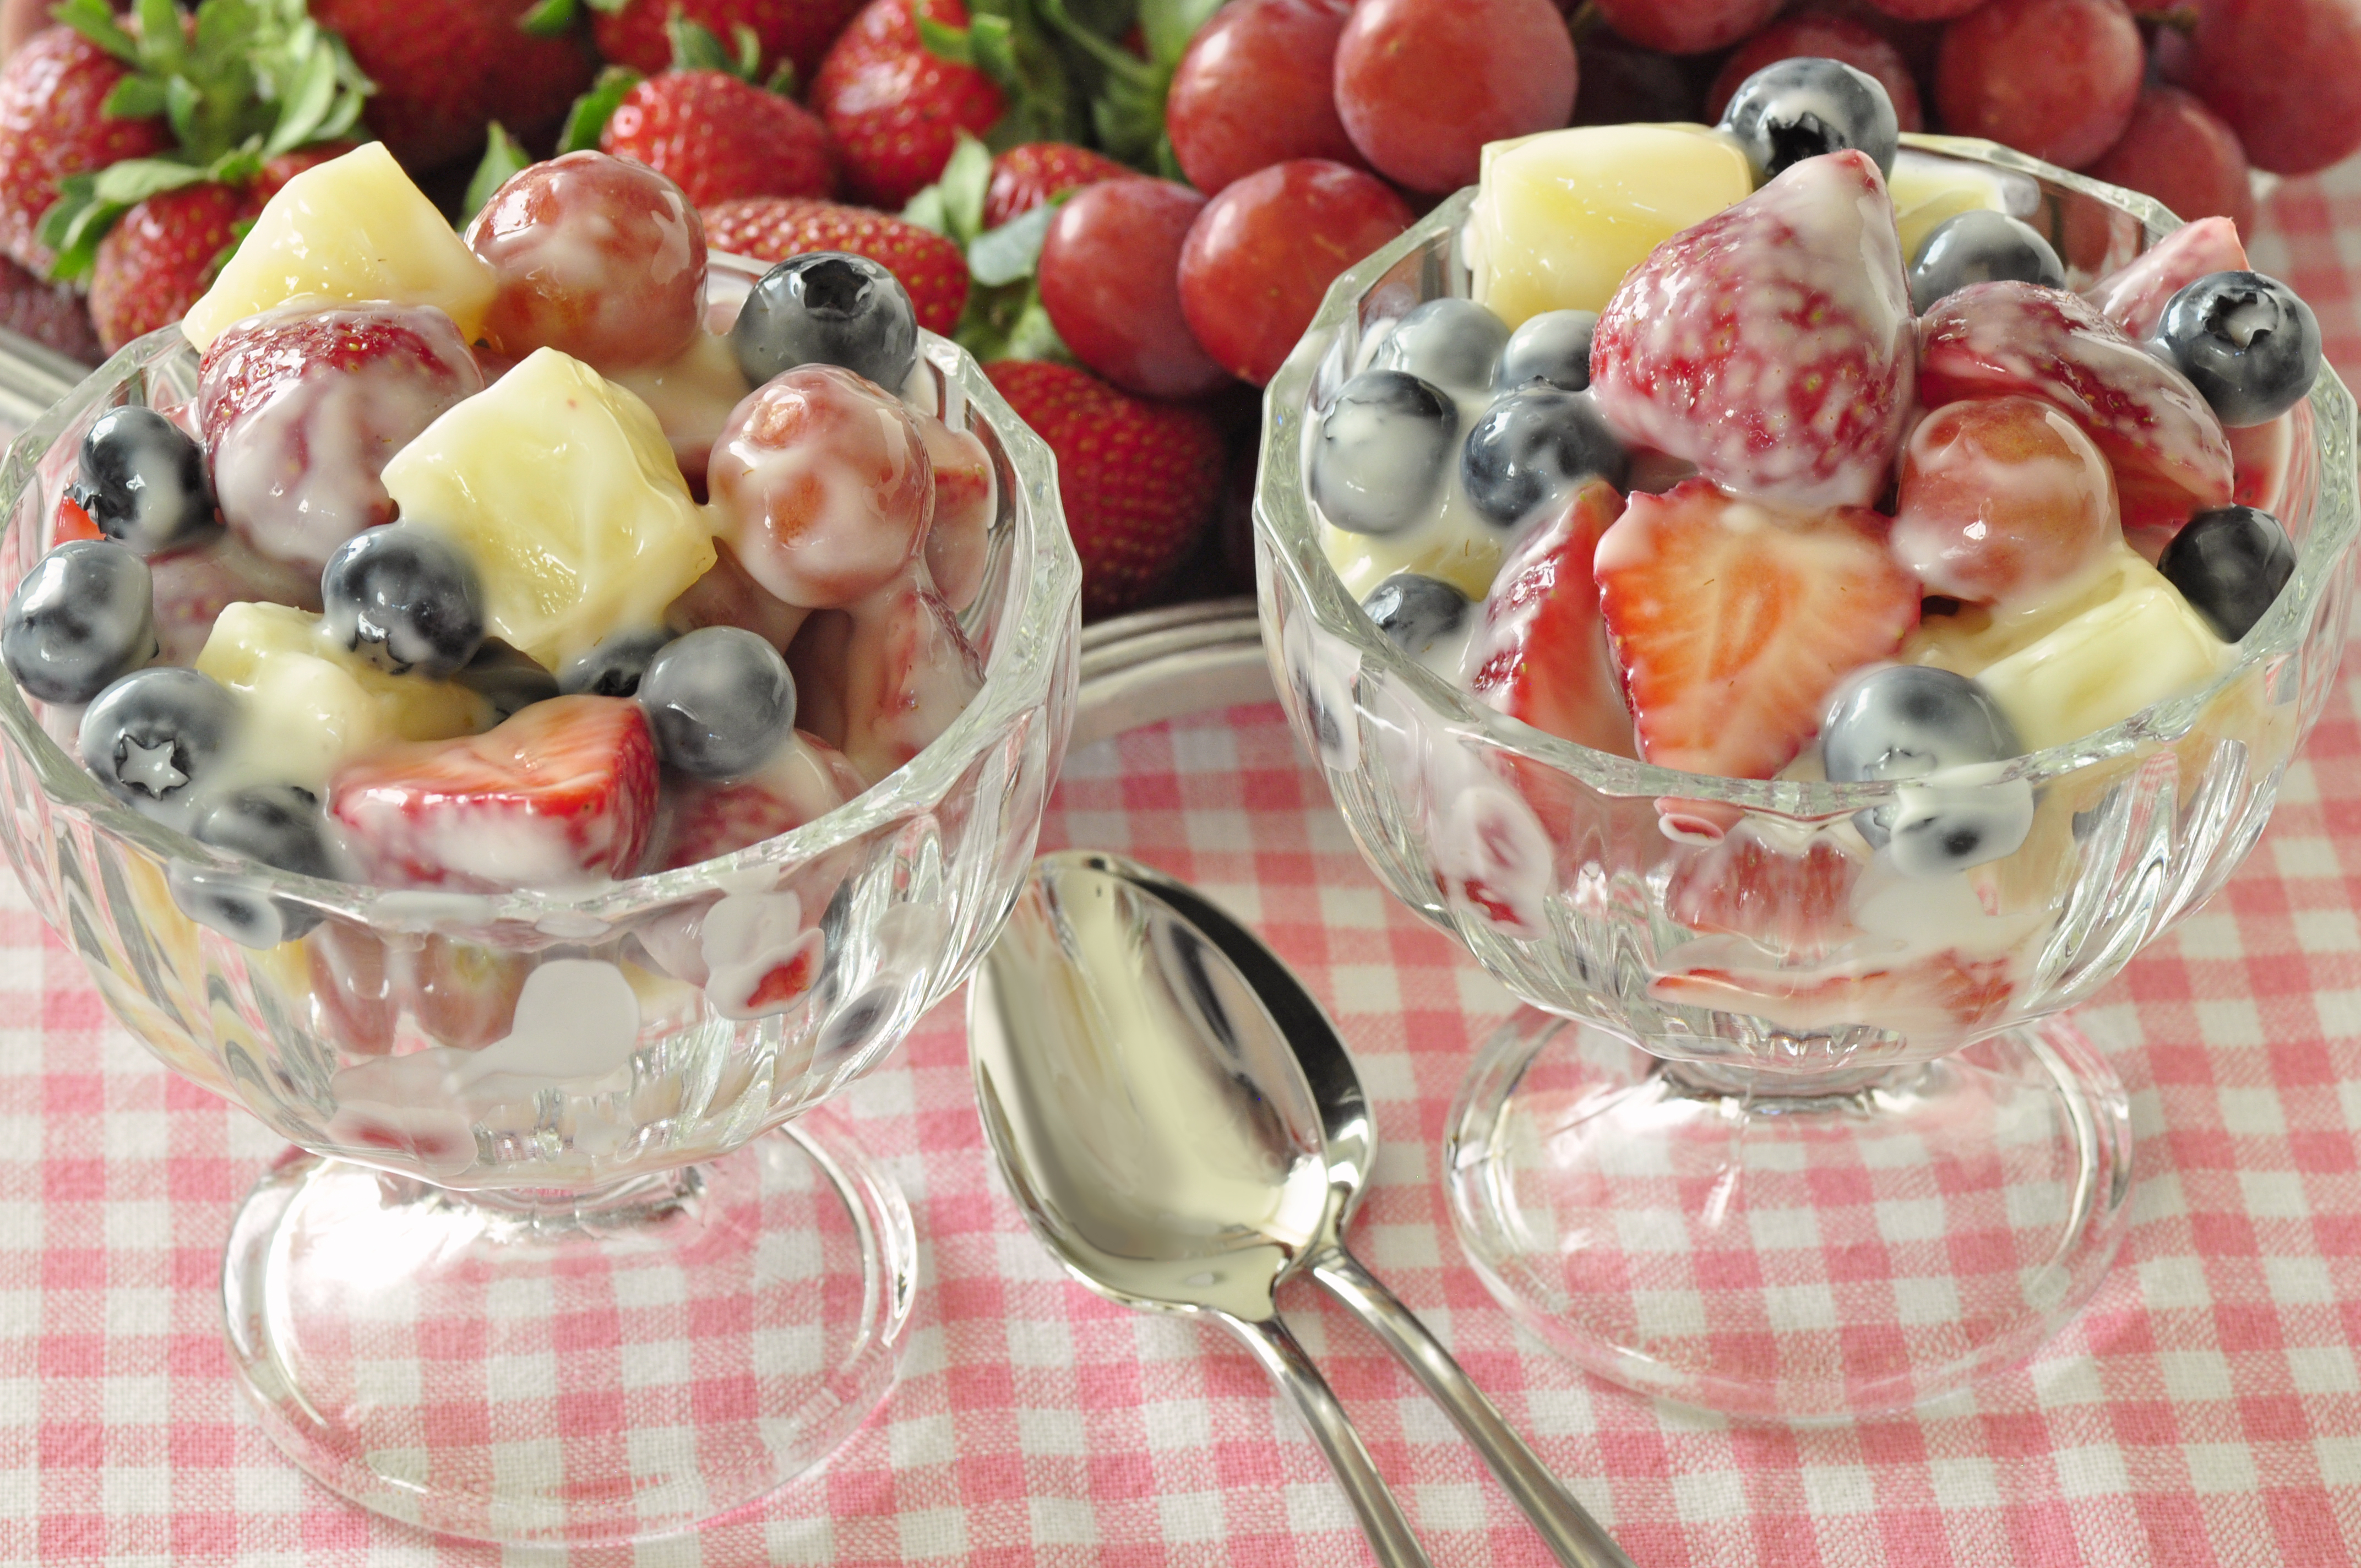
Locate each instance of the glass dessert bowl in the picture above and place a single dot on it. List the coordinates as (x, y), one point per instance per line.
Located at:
(588, 1273)
(1746, 1150)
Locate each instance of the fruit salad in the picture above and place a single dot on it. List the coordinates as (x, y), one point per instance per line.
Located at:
(489, 563)
(1770, 451)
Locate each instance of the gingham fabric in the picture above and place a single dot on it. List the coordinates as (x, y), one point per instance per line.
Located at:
(2205, 1409)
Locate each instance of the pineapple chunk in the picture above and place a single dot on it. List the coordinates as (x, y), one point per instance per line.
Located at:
(562, 489)
(1562, 216)
(351, 229)
(311, 703)
(1927, 191)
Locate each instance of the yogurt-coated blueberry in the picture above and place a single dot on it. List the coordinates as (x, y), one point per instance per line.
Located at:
(1898, 722)
(511, 681)
(84, 618)
(1800, 108)
(1554, 346)
(2230, 564)
(143, 481)
(1416, 611)
(827, 308)
(2246, 342)
(1447, 343)
(279, 825)
(406, 599)
(719, 702)
(614, 668)
(1533, 443)
(1383, 451)
(155, 736)
(1981, 247)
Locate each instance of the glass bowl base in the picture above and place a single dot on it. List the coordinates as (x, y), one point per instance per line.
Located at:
(1789, 1249)
(571, 1367)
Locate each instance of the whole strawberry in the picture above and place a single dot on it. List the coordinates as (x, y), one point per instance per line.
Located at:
(159, 256)
(1033, 172)
(444, 69)
(718, 138)
(772, 228)
(49, 313)
(52, 126)
(895, 108)
(797, 31)
(1139, 480)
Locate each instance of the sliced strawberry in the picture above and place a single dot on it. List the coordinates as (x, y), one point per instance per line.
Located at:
(561, 794)
(909, 672)
(72, 523)
(701, 820)
(958, 542)
(1943, 994)
(1541, 655)
(1771, 345)
(1796, 905)
(2132, 296)
(2169, 454)
(1734, 622)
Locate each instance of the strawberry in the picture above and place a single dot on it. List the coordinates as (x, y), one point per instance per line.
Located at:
(52, 126)
(772, 228)
(1944, 995)
(635, 33)
(702, 820)
(893, 107)
(159, 256)
(959, 540)
(1797, 906)
(1771, 345)
(909, 672)
(51, 314)
(443, 69)
(561, 794)
(71, 523)
(719, 138)
(193, 587)
(2169, 454)
(1139, 479)
(1541, 655)
(1033, 172)
(2132, 296)
(1734, 622)
(2265, 456)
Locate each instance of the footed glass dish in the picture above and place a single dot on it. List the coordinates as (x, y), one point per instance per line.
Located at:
(564, 1260)
(1737, 1154)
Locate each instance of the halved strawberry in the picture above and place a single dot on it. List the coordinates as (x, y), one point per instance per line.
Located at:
(2171, 457)
(562, 794)
(2132, 296)
(1734, 622)
(1771, 343)
(1541, 655)
(1943, 994)
(1797, 906)
(701, 820)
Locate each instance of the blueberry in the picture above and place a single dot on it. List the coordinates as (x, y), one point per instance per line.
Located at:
(1801, 108)
(143, 481)
(1446, 343)
(615, 666)
(282, 826)
(1981, 247)
(719, 701)
(1384, 447)
(1532, 444)
(1554, 346)
(1415, 611)
(83, 617)
(406, 599)
(2230, 564)
(1900, 722)
(827, 308)
(2246, 342)
(509, 680)
(155, 735)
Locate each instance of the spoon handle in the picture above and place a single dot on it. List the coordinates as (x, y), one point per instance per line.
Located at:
(1381, 1517)
(1578, 1540)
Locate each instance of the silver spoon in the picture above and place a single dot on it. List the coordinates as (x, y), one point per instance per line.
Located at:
(1240, 1016)
(1351, 1134)
(1157, 1134)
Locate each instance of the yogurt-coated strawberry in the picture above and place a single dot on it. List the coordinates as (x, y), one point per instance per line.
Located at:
(1771, 345)
(1541, 653)
(2170, 456)
(823, 487)
(302, 408)
(908, 671)
(699, 819)
(959, 542)
(2133, 295)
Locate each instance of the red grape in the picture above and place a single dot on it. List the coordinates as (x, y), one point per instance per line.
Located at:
(2285, 75)
(2054, 78)
(1687, 27)
(2178, 151)
(1257, 88)
(1622, 82)
(601, 258)
(1263, 253)
(1809, 34)
(1423, 84)
(1926, 10)
(1110, 280)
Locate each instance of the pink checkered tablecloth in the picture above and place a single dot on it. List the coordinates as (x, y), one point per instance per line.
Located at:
(2205, 1409)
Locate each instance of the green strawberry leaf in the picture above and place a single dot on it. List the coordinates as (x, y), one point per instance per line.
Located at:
(1009, 322)
(926, 209)
(504, 159)
(1011, 252)
(89, 205)
(592, 112)
(310, 97)
(162, 46)
(135, 98)
(783, 79)
(550, 18)
(952, 44)
(610, 6)
(966, 181)
(96, 21)
(695, 47)
(135, 179)
(1168, 26)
